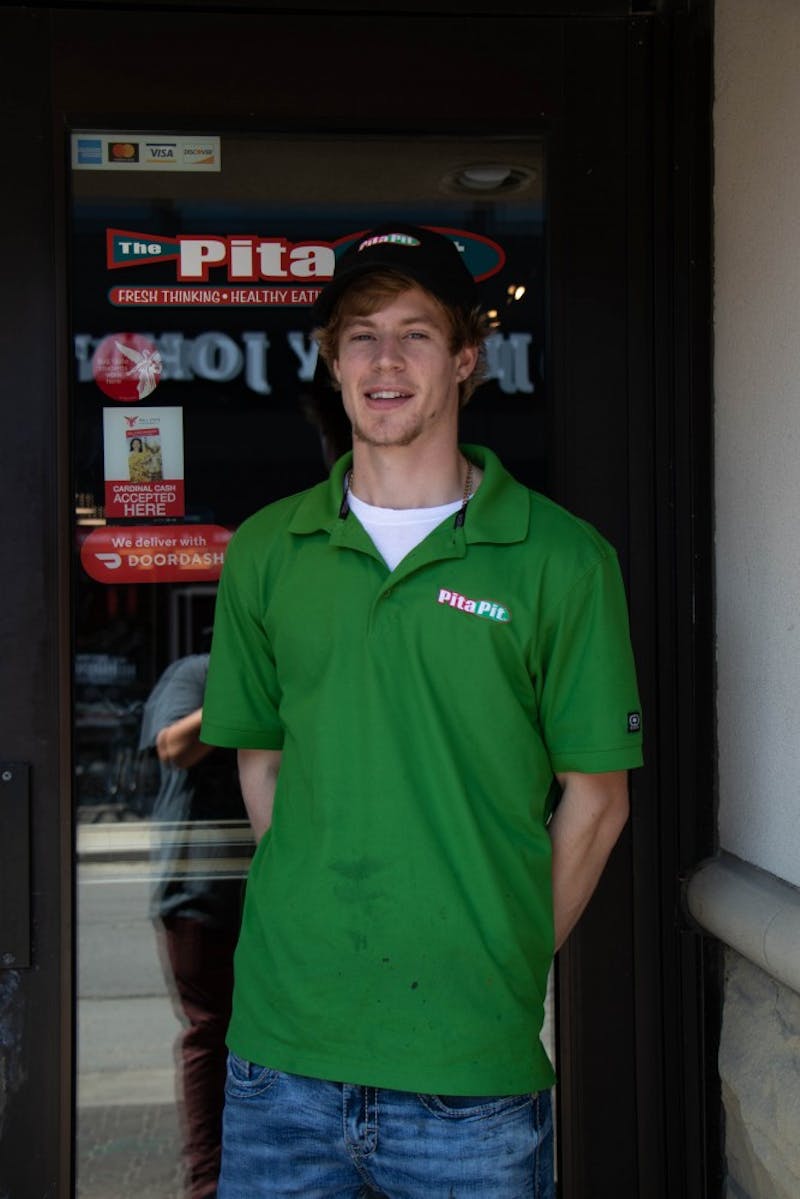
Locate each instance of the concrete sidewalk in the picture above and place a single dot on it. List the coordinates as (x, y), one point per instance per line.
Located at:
(128, 1125)
(129, 1151)
(126, 1051)
(128, 1142)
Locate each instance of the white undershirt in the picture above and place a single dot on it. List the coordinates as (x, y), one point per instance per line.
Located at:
(396, 531)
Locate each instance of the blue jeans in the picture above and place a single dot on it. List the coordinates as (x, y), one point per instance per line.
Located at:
(287, 1135)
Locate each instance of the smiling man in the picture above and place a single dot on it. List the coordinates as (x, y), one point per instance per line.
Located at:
(427, 672)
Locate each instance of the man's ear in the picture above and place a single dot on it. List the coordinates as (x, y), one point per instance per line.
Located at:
(466, 361)
(335, 371)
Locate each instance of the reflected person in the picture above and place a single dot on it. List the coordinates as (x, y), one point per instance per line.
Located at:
(196, 912)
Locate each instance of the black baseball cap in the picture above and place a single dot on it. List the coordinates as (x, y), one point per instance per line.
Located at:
(429, 258)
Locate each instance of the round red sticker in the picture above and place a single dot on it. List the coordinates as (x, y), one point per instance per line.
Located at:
(126, 366)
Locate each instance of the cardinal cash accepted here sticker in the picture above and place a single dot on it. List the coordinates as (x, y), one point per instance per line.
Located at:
(143, 457)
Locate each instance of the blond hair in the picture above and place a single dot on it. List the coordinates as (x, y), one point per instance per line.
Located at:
(372, 291)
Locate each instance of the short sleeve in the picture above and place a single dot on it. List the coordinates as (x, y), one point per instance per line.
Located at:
(178, 693)
(589, 706)
(242, 701)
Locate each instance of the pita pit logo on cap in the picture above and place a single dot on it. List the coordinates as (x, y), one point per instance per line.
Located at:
(392, 239)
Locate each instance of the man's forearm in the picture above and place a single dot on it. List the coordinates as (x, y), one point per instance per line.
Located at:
(584, 829)
(258, 775)
(179, 743)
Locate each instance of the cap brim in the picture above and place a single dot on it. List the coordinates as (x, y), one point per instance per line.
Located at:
(326, 301)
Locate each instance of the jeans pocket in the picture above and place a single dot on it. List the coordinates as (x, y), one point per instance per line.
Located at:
(472, 1107)
(246, 1080)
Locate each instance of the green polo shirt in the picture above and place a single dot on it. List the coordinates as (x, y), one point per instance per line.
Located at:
(397, 929)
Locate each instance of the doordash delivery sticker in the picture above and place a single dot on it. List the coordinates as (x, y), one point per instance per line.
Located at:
(155, 553)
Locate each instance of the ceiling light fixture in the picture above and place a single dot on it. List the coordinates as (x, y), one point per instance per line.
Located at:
(488, 178)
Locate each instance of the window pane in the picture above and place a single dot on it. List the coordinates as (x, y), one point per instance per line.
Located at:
(194, 403)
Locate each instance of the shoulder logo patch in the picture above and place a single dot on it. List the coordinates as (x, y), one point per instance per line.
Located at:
(485, 608)
(634, 722)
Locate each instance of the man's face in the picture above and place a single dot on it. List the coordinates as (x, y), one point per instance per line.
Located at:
(398, 375)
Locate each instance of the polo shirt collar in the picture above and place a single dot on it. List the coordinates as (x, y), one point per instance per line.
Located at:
(501, 509)
(498, 513)
(318, 510)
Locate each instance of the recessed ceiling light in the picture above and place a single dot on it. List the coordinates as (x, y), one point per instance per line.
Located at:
(488, 178)
(484, 178)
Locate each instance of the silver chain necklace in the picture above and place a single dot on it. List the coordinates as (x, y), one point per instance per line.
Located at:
(348, 486)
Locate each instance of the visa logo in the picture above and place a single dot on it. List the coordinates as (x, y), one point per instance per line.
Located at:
(162, 151)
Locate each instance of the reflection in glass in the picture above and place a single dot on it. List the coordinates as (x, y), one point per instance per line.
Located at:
(183, 913)
(196, 912)
(162, 847)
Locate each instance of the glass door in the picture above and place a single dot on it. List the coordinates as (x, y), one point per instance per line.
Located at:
(194, 262)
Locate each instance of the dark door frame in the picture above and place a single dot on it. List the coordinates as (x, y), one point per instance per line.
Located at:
(657, 978)
(624, 101)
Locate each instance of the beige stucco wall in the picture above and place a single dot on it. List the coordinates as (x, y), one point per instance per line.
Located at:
(757, 385)
(757, 520)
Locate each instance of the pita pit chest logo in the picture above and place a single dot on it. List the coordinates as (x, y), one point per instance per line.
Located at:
(488, 609)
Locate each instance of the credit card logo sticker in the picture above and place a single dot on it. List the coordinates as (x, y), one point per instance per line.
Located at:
(159, 152)
(199, 154)
(90, 151)
(123, 152)
(119, 151)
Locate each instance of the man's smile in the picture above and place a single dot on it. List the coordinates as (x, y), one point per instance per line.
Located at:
(387, 397)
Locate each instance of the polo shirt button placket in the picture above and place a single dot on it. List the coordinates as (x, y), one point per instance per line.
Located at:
(378, 607)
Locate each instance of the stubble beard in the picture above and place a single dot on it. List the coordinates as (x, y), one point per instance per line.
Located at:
(382, 434)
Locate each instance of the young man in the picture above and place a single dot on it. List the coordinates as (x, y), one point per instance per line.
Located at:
(415, 659)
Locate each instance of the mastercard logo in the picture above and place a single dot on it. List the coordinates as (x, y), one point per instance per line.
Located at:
(123, 152)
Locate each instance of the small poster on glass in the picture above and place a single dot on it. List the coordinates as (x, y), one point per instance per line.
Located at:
(143, 454)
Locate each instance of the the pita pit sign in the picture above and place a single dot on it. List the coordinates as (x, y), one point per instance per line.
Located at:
(244, 259)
